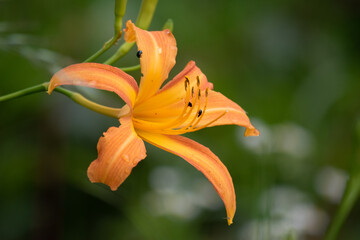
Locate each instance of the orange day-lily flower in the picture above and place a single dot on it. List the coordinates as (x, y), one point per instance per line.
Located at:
(158, 116)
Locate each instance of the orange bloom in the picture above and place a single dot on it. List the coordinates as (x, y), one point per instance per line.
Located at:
(185, 104)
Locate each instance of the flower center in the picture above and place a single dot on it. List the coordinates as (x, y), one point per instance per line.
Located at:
(188, 120)
(194, 109)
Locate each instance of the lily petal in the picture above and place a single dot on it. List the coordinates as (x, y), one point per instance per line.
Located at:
(157, 59)
(119, 151)
(169, 104)
(203, 160)
(217, 105)
(100, 76)
(219, 111)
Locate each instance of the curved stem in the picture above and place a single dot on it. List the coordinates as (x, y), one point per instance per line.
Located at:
(76, 97)
(146, 13)
(122, 51)
(350, 196)
(106, 46)
(120, 7)
(80, 99)
(27, 91)
(131, 69)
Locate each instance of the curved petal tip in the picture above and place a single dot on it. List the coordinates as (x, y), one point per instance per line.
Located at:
(251, 132)
(203, 160)
(129, 32)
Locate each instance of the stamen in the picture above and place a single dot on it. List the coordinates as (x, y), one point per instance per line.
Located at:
(182, 130)
(198, 81)
(187, 100)
(182, 124)
(187, 82)
(182, 117)
(209, 123)
(203, 113)
(189, 125)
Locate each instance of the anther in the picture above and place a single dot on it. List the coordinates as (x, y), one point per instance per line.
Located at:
(200, 112)
(138, 54)
(207, 92)
(198, 81)
(189, 104)
(187, 82)
(192, 92)
(199, 94)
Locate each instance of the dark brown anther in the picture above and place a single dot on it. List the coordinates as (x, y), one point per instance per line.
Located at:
(207, 92)
(199, 94)
(192, 92)
(187, 82)
(198, 81)
(199, 113)
(189, 104)
(138, 54)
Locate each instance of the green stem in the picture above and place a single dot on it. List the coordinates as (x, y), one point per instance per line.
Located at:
(106, 46)
(76, 97)
(146, 13)
(120, 7)
(351, 195)
(122, 51)
(352, 192)
(38, 88)
(131, 69)
(80, 99)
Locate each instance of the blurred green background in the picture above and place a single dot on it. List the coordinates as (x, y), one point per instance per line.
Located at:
(292, 65)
